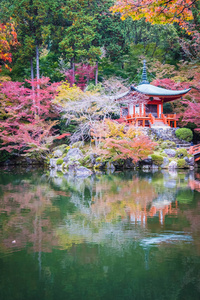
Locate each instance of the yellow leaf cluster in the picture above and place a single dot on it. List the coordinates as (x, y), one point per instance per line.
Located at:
(67, 93)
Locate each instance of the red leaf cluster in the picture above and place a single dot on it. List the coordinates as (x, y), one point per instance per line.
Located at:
(25, 114)
(80, 76)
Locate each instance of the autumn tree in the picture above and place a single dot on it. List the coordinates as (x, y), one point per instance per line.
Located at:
(37, 23)
(160, 12)
(84, 107)
(80, 75)
(25, 123)
(116, 142)
(8, 38)
(183, 13)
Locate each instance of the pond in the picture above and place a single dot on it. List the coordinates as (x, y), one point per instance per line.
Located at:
(117, 236)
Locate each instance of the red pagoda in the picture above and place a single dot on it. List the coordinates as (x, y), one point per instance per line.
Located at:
(143, 105)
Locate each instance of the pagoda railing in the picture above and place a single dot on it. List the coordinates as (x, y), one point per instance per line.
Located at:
(164, 118)
(171, 118)
(152, 119)
(140, 119)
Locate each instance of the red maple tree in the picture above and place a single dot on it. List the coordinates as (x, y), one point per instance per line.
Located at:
(81, 75)
(26, 115)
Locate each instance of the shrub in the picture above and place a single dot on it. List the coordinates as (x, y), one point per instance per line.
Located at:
(66, 150)
(4, 155)
(85, 160)
(168, 144)
(181, 153)
(59, 161)
(157, 159)
(184, 134)
(181, 163)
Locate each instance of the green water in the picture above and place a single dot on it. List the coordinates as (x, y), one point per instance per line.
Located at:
(115, 236)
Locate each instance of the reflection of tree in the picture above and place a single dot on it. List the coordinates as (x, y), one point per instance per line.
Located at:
(104, 257)
(125, 199)
(88, 208)
(195, 185)
(192, 214)
(26, 212)
(133, 200)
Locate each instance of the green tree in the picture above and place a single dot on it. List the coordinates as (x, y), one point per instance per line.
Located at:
(37, 21)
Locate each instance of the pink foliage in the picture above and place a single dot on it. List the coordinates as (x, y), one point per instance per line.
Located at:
(171, 84)
(190, 110)
(137, 148)
(25, 113)
(81, 76)
(192, 113)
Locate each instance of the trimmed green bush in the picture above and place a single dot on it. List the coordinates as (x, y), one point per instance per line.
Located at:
(182, 152)
(185, 134)
(157, 159)
(59, 161)
(181, 163)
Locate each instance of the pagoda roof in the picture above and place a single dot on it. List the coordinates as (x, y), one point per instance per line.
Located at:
(152, 90)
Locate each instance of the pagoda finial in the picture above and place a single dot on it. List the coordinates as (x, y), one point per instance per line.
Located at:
(144, 74)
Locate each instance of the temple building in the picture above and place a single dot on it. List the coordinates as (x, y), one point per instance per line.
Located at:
(143, 105)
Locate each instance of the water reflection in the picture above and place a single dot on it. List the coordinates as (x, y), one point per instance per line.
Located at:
(101, 237)
(61, 211)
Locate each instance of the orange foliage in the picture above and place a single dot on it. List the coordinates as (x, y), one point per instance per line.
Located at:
(160, 11)
(8, 38)
(137, 149)
(117, 142)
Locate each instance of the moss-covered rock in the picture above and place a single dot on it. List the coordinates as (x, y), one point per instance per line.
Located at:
(168, 145)
(79, 145)
(182, 152)
(85, 161)
(157, 159)
(59, 161)
(181, 163)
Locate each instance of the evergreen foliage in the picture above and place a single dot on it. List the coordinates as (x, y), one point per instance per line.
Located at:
(184, 134)
(157, 159)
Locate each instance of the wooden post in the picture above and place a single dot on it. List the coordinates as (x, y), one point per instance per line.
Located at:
(96, 73)
(158, 110)
(143, 125)
(174, 123)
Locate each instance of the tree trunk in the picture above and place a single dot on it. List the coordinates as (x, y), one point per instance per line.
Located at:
(33, 89)
(96, 73)
(37, 63)
(88, 71)
(32, 73)
(73, 72)
(38, 77)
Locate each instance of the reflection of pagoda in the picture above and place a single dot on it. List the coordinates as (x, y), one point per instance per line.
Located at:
(135, 201)
(144, 104)
(157, 209)
(195, 183)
